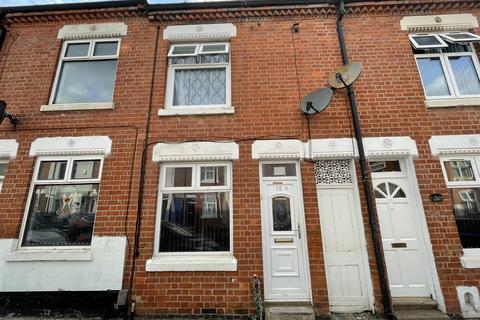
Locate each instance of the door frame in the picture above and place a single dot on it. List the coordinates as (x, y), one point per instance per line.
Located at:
(361, 226)
(408, 167)
(300, 219)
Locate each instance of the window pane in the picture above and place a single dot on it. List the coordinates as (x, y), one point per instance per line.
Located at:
(385, 166)
(195, 222)
(465, 74)
(178, 177)
(52, 170)
(279, 170)
(61, 215)
(199, 87)
(459, 170)
(213, 176)
(85, 169)
(3, 169)
(77, 50)
(282, 217)
(213, 48)
(466, 207)
(105, 48)
(427, 40)
(184, 49)
(462, 35)
(214, 58)
(433, 77)
(86, 81)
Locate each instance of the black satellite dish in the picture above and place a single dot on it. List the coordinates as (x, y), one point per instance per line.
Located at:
(316, 101)
(345, 75)
(4, 114)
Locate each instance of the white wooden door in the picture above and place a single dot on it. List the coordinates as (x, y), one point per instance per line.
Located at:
(344, 250)
(403, 245)
(284, 256)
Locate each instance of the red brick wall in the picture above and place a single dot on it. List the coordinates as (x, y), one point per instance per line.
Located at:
(265, 94)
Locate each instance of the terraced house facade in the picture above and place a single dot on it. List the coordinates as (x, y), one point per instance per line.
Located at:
(161, 160)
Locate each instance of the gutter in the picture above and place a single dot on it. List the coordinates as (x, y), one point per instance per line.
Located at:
(71, 6)
(372, 215)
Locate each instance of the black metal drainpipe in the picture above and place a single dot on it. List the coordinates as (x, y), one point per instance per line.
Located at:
(376, 237)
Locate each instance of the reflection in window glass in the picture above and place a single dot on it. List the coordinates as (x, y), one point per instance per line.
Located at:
(85, 169)
(105, 48)
(195, 222)
(212, 176)
(178, 177)
(77, 50)
(459, 170)
(3, 169)
(52, 170)
(282, 217)
(466, 208)
(465, 75)
(385, 166)
(279, 170)
(433, 77)
(61, 215)
(427, 40)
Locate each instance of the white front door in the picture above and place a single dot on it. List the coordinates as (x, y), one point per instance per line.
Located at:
(284, 253)
(403, 244)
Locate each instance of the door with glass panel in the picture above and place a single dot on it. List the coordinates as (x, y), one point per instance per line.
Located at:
(284, 246)
(403, 244)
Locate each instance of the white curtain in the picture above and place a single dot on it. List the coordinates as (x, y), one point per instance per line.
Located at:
(199, 86)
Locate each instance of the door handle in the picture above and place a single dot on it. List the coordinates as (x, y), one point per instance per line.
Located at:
(299, 231)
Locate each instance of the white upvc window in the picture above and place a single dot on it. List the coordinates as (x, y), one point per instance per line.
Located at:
(86, 72)
(448, 65)
(462, 176)
(194, 215)
(62, 203)
(199, 75)
(3, 171)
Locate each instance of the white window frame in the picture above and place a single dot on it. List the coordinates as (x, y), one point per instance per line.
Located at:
(2, 177)
(475, 161)
(448, 72)
(420, 46)
(196, 179)
(35, 181)
(447, 37)
(89, 57)
(171, 76)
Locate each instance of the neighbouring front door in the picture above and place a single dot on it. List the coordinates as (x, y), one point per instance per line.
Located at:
(403, 245)
(284, 254)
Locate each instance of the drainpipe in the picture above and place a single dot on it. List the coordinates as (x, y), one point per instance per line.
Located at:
(376, 237)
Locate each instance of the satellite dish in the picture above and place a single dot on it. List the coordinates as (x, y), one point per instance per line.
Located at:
(345, 75)
(4, 114)
(316, 101)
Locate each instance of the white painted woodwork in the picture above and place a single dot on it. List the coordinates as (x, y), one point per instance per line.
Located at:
(439, 22)
(345, 255)
(286, 272)
(397, 214)
(200, 32)
(92, 31)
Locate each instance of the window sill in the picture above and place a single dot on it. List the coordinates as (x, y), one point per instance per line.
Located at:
(78, 106)
(50, 255)
(470, 261)
(198, 110)
(225, 262)
(456, 102)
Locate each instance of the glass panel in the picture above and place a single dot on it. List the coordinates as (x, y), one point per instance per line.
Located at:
(61, 215)
(279, 170)
(460, 36)
(392, 187)
(77, 50)
(213, 176)
(105, 48)
(426, 40)
(378, 195)
(3, 169)
(86, 169)
(466, 207)
(383, 187)
(183, 60)
(86, 81)
(195, 222)
(459, 170)
(385, 166)
(282, 216)
(178, 50)
(465, 75)
(199, 87)
(214, 58)
(433, 77)
(400, 194)
(178, 177)
(213, 48)
(52, 170)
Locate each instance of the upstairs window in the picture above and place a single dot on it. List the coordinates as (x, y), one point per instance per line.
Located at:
(198, 75)
(86, 72)
(448, 64)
